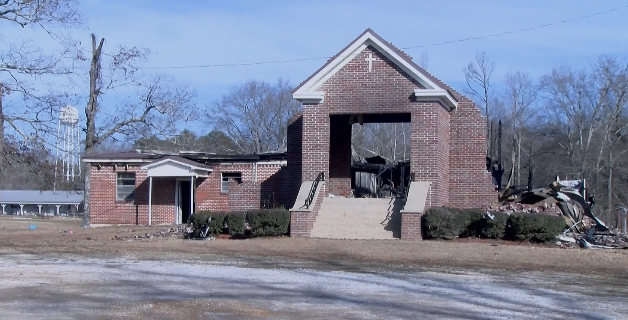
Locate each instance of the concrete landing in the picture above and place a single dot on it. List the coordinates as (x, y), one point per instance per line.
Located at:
(358, 218)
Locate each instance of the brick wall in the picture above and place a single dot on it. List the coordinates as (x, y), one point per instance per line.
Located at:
(385, 90)
(469, 182)
(105, 209)
(411, 226)
(262, 183)
(244, 196)
(210, 197)
(447, 147)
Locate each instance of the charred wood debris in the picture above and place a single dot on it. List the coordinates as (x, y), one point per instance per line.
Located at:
(568, 199)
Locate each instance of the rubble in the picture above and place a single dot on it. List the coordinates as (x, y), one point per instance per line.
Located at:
(570, 201)
(585, 229)
(594, 239)
(177, 231)
(512, 207)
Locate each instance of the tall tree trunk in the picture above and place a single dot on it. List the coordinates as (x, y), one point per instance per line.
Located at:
(2, 155)
(90, 115)
(515, 182)
(518, 156)
(609, 183)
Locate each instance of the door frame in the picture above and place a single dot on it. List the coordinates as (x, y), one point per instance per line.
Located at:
(178, 214)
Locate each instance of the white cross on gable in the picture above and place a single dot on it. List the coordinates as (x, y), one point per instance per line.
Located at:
(370, 60)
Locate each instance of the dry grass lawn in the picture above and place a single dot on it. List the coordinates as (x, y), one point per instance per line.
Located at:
(52, 236)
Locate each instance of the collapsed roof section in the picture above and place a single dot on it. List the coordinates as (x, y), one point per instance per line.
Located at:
(151, 156)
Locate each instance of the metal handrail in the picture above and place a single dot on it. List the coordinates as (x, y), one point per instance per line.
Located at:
(310, 196)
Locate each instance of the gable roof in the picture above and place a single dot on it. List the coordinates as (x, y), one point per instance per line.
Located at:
(434, 89)
(175, 166)
(180, 160)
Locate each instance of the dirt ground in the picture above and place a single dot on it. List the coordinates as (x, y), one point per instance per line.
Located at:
(60, 271)
(52, 237)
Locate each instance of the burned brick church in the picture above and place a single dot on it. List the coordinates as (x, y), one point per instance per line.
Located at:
(369, 81)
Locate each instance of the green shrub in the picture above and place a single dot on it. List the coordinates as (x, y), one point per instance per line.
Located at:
(198, 219)
(444, 223)
(268, 223)
(473, 222)
(534, 227)
(495, 228)
(218, 223)
(448, 223)
(235, 223)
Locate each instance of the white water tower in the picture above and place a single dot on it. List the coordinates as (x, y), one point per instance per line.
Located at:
(68, 160)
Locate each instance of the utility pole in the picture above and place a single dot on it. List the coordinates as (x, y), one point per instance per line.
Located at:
(530, 169)
(499, 155)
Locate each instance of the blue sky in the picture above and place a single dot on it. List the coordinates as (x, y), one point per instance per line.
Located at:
(184, 33)
(195, 32)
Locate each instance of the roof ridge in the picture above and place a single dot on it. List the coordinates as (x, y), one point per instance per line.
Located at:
(424, 71)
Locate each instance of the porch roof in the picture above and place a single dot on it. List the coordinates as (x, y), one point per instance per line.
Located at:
(40, 197)
(175, 166)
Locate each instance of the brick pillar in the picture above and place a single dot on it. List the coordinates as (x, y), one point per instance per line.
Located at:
(429, 138)
(295, 159)
(339, 181)
(411, 226)
(315, 142)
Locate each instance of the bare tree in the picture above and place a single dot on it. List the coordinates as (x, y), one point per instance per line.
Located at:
(478, 76)
(156, 106)
(25, 12)
(255, 115)
(388, 140)
(213, 142)
(575, 102)
(615, 74)
(516, 110)
(27, 109)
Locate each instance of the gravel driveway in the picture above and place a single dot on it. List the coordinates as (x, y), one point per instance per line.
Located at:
(36, 287)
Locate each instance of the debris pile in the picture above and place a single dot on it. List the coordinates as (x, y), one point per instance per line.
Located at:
(585, 229)
(165, 233)
(513, 207)
(594, 239)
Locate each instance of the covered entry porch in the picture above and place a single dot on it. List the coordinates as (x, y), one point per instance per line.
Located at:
(175, 192)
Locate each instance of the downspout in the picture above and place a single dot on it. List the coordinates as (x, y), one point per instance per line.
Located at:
(191, 197)
(150, 200)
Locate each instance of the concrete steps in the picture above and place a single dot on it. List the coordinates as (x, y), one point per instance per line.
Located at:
(358, 218)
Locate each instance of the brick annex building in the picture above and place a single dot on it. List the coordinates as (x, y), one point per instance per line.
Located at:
(369, 81)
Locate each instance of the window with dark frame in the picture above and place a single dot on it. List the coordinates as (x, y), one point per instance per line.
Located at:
(125, 186)
(229, 176)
